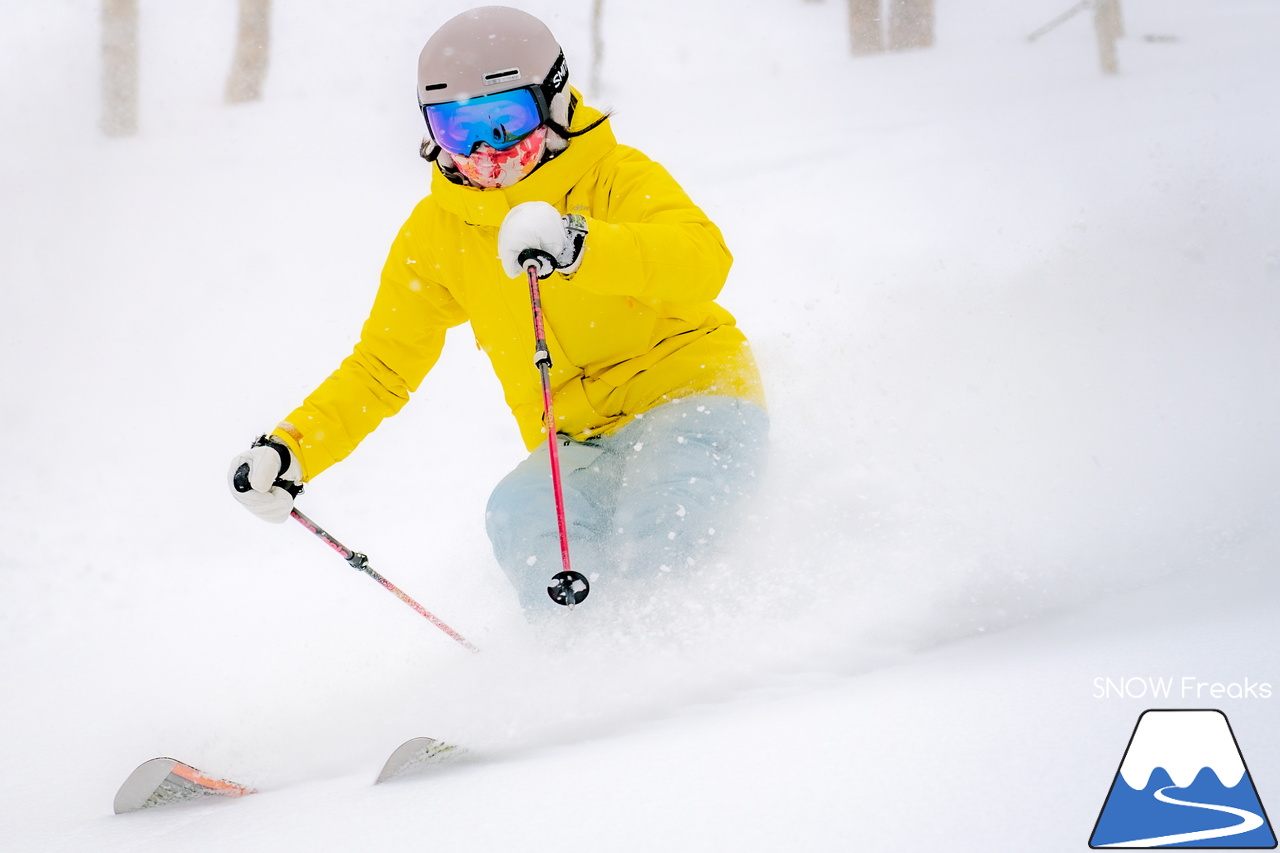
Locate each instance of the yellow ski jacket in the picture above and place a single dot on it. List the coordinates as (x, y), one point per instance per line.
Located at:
(633, 327)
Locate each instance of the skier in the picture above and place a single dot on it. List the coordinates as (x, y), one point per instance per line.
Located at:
(660, 420)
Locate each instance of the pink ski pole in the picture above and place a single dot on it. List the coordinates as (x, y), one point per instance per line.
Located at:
(567, 587)
(354, 559)
(360, 562)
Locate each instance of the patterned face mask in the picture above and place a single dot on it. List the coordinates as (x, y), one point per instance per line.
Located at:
(497, 169)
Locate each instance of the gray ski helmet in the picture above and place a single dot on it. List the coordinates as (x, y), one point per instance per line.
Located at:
(491, 49)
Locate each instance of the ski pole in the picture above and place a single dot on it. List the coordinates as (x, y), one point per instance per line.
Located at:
(568, 587)
(360, 562)
(354, 559)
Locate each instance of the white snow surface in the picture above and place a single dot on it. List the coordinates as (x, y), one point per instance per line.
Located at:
(1020, 326)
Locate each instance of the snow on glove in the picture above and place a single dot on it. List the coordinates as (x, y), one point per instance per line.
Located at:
(265, 478)
(536, 230)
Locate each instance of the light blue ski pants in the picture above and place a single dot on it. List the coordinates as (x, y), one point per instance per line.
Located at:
(651, 498)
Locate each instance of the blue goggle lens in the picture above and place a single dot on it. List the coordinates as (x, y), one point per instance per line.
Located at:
(499, 121)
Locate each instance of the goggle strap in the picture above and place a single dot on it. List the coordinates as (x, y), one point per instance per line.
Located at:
(554, 83)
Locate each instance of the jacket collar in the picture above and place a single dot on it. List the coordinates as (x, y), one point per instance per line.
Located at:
(550, 182)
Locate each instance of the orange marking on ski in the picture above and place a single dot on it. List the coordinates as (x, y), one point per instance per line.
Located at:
(222, 786)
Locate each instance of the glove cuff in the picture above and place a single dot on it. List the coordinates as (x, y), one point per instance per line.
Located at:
(290, 471)
(575, 228)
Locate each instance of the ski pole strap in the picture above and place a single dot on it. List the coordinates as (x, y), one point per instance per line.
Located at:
(240, 481)
(286, 459)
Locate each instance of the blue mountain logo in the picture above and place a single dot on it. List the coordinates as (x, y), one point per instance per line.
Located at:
(1183, 783)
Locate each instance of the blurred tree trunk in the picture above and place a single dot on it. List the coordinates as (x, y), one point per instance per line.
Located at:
(1106, 20)
(597, 44)
(120, 67)
(910, 24)
(864, 27)
(253, 50)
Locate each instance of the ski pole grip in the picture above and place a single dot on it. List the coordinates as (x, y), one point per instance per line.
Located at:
(241, 482)
(545, 263)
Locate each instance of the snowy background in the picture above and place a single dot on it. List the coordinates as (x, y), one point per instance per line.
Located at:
(1020, 325)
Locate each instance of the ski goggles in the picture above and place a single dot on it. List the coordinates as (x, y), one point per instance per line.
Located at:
(499, 120)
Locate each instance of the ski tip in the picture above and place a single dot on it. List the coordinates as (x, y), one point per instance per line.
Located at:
(135, 791)
(416, 755)
(165, 781)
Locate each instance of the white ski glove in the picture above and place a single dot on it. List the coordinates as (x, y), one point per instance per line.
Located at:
(536, 230)
(265, 479)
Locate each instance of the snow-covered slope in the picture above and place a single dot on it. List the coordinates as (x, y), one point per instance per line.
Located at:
(1019, 323)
